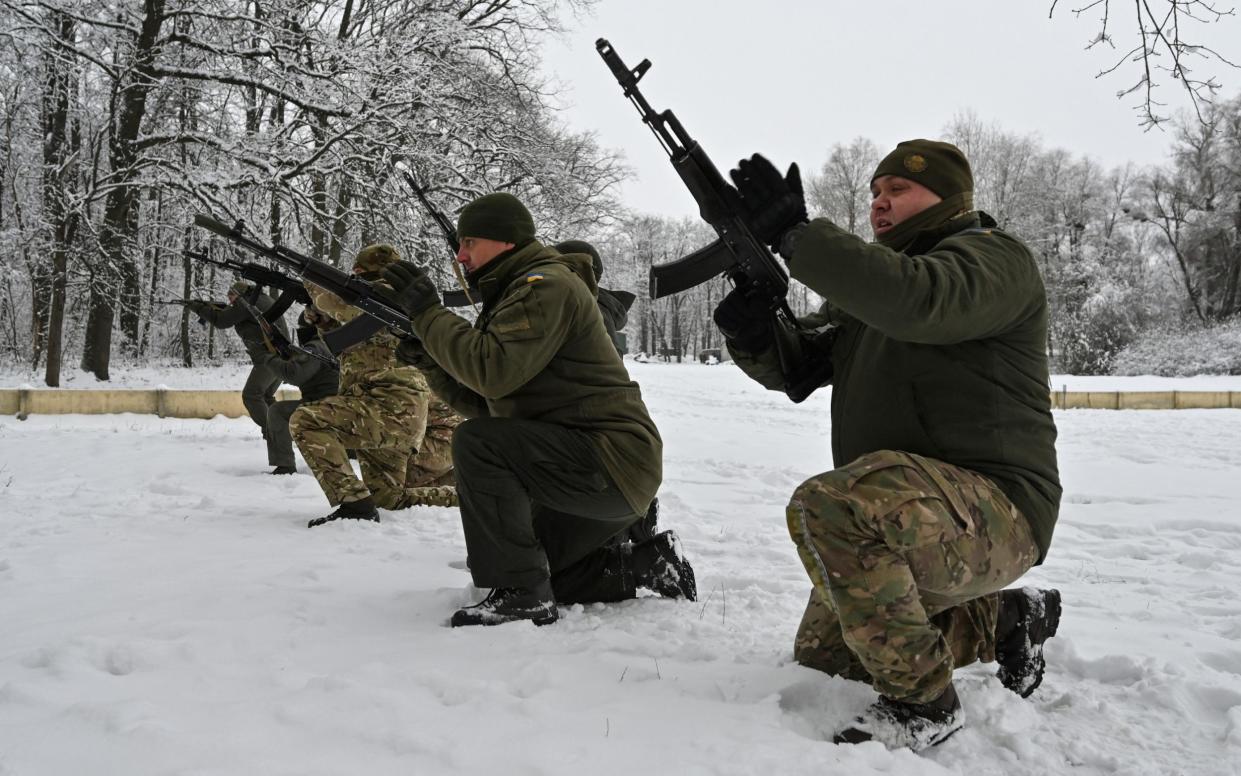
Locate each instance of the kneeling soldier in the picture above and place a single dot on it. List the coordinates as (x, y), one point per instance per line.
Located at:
(558, 453)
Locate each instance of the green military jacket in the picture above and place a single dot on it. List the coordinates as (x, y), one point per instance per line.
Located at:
(539, 351)
(314, 378)
(234, 316)
(940, 350)
(372, 364)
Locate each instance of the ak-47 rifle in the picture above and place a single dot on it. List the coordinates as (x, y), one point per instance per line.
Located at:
(737, 253)
(255, 273)
(352, 289)
(454, 297)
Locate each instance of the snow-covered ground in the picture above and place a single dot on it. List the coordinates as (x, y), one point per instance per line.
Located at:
(164, 610)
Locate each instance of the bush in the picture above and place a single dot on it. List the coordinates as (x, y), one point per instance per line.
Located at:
(1201, 351)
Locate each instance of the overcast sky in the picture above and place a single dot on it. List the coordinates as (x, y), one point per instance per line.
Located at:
(788, 78)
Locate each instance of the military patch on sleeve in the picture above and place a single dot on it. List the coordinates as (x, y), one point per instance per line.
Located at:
(534, 276)
(976, 230)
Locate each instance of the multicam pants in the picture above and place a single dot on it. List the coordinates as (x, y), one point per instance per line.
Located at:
(432, 466)
(907, 555)
(383, 423)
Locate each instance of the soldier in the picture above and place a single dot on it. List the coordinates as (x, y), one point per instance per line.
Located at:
(558, 453)
(380, 412)
(259, 392)
(934, 337)
(317, 379)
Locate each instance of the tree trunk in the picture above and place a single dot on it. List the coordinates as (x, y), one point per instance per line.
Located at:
(118, 274)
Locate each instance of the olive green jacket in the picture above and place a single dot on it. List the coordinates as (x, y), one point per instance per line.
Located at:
(234, 316)
(539, 351)
(939, 351)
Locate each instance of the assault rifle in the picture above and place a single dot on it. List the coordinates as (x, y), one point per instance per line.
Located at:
(350, 288)
(455, 297)
(737, 253)
(248, 270)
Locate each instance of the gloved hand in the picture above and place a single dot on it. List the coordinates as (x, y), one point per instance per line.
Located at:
(773, 203)
(745, 320)
(412, 290)
(411, 351)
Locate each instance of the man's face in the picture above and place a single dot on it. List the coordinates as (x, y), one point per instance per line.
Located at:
(894, 199)
(477, 252)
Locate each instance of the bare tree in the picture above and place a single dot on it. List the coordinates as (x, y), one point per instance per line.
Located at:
(1165, 48)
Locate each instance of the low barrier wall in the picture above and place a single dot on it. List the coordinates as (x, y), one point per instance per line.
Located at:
(168, 403)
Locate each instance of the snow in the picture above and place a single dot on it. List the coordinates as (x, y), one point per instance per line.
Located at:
(164, 610)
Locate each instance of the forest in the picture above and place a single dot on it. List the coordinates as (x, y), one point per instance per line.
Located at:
(123, 120)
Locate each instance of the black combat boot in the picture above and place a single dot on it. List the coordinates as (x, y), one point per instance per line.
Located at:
(645, 528)
(363, 509)
(509, 604)
(659, 564)
(284, 470)
(1028, 617)
(896, 724)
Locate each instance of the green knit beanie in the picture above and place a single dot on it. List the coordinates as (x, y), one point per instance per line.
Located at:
(941, 167)
(240, 288)
(499, 216)
(581, 246)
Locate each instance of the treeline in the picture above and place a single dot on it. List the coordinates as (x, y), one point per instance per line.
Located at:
(124, 119)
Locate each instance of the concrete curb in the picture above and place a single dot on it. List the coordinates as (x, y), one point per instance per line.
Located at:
(165, 403)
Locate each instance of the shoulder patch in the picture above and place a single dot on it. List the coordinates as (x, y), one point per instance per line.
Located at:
(534, 277)
(976, 230)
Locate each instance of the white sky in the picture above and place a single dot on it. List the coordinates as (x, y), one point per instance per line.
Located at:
(788, 78)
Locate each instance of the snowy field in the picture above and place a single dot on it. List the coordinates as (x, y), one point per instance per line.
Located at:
(164, 610)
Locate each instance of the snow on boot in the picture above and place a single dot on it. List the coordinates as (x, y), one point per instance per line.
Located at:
(284, 470)
(1028, 617)
(363, 509)
(645, 528)
(510, 604)
(896, 724)
(660, 565)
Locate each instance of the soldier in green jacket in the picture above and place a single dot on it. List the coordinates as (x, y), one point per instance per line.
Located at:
(934, 339)
(315, 378)
(557, 454)
(259, 392)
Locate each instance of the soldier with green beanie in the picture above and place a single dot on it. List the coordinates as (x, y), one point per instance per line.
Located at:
(934, 337)
(259, 392)
(380, 412)
(558, 453)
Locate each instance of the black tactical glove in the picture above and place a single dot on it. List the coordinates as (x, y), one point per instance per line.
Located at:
(410, 351)
(773, 203)
(412, 290)
(745, 320)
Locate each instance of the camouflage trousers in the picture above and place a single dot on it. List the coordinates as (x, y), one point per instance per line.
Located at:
(431, 467)
(383, 423)
(907, 555)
